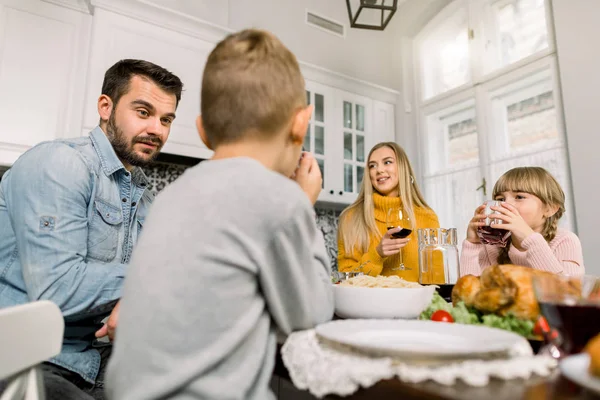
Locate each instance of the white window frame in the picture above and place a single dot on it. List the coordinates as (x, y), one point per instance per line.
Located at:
(443, 15)
(485, 94)
(450, 104)
(481, 89)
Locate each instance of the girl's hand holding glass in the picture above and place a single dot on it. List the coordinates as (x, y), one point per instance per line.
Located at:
(475, 223)
(511, 221)
(486, 231)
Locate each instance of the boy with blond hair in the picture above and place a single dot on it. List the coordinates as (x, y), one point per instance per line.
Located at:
(230, 251)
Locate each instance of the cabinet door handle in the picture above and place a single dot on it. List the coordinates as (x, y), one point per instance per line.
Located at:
(331, 192)
(341, 193)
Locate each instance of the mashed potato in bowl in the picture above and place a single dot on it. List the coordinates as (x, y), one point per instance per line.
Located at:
(381, 297)
(379, 282)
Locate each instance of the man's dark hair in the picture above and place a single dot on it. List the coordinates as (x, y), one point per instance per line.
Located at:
(117, 78)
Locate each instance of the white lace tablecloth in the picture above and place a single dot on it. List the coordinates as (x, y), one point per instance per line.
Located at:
(325, 369)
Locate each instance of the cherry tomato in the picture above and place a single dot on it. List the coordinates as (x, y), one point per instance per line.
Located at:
(442, 316)
(541, 326)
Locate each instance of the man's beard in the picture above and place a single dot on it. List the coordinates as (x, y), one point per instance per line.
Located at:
(124, 149)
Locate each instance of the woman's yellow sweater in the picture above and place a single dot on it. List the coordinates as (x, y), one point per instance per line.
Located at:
(373, 264)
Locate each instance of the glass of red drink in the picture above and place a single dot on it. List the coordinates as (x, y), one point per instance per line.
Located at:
(489, 235)
(571, 305)
(398, 218)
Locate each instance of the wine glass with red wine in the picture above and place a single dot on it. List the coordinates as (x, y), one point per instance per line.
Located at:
(489, 235)
(397, 218)
(571, 305)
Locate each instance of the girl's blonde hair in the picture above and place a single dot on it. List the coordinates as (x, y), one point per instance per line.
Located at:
(540, 183)
(357, 221)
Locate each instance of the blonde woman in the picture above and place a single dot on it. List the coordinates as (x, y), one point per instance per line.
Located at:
(532, 204)
(364, 242)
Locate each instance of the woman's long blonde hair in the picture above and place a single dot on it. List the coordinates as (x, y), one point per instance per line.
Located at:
(357, 221)
(540, 183)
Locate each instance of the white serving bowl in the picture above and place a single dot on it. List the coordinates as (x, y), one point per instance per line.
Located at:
(366, 302)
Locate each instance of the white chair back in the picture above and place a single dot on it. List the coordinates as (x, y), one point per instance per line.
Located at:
(29, 335)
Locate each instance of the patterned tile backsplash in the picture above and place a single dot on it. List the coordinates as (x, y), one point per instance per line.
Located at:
(327, 221)
(160, 175)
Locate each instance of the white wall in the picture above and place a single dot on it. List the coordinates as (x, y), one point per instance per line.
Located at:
(363, 54)
(577, 28)
(372, 56)
(214, 11)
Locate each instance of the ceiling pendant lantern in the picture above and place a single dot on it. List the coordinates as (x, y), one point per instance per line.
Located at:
(377, 13)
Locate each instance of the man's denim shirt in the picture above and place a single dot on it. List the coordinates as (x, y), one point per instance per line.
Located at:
(70, 214)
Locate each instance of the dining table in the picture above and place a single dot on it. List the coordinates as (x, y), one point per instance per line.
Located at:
(553, 387)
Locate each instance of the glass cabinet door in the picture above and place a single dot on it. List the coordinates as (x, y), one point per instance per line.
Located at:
(340, 134)
(314, 141)
(356, 141)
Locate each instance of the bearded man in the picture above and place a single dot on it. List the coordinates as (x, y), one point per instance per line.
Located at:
(71, 211)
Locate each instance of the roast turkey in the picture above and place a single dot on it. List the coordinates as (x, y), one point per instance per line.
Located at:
(501, 289)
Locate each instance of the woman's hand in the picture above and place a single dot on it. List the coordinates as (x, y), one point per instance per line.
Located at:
(513, 222)
(390, 246)
(475, 222)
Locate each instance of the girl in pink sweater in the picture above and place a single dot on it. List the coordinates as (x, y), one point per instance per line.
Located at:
(532, 204)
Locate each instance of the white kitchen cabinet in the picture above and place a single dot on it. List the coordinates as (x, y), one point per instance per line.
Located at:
(319, 138)
(343, 128)
(384, 122)
(354, 137)
(43, 60)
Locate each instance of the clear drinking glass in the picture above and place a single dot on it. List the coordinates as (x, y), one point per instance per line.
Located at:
(489, 235)
(571, 305)
(397, 218)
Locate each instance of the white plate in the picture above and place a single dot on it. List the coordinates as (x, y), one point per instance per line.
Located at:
(421, 339)
(575, 368)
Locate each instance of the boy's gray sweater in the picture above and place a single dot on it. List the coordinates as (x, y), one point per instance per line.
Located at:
(229, 252)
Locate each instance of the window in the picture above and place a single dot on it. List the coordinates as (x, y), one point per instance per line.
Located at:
(489, 101)
(444, 54)
(453, 130)
(516, 30)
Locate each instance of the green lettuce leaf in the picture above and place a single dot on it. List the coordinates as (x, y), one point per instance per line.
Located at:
(511, 323)
(437, 303)
(463, 315)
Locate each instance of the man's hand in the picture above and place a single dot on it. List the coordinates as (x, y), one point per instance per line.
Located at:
(110, 326)
(308, 176)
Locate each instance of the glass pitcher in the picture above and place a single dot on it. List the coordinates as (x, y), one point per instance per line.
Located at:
(438, 256)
